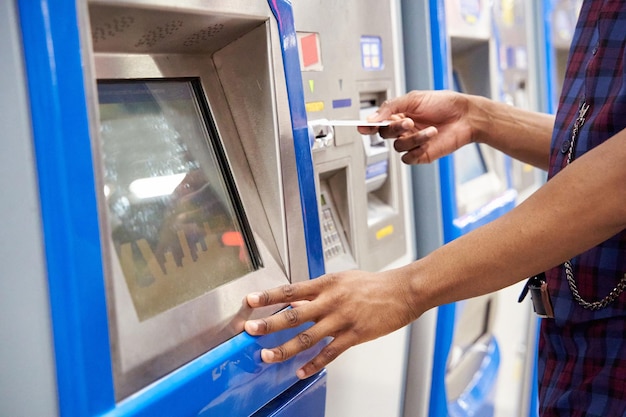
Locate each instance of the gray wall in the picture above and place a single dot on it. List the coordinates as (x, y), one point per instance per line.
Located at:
(27, 375)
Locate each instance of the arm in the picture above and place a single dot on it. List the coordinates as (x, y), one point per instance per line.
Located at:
(429, 125)
(579, 208)
(522, 134)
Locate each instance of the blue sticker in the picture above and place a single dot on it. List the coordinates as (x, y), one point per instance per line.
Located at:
(344, 102)
(372, 53)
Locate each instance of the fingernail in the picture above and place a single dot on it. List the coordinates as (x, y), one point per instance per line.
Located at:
(430, 131)
(300, 373)
(406, 124)
(254, 298)
(373, 117)
(252, 326)
(267, 355)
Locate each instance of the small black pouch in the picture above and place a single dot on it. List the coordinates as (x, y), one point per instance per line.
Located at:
(539, 295)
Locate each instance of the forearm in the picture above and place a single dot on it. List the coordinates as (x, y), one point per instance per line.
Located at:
(521, 134)
(579, 208)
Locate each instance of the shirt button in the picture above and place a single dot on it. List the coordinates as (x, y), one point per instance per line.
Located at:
(565, 146)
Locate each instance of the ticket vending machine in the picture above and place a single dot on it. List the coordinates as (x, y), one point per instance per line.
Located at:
(516, 35)
(159, 145)
(349, 55)
(348, 70)
(476, 187)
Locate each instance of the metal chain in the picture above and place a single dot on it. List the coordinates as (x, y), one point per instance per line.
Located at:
(596, 305)
(569, 271)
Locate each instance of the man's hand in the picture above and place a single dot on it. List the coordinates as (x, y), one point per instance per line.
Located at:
(427, 125)
(351, 307)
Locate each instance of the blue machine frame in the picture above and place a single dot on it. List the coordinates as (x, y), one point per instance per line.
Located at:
(228, 380)
(547, 9)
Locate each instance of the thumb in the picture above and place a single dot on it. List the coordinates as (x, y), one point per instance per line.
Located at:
(389, 108)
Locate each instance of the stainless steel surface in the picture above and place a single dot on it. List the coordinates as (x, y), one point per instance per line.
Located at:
(518, 73)
(475, 61)
(237, 57)
(374, 222)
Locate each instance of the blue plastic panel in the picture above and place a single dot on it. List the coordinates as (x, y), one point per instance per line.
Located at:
(472, 402)
(68, 204)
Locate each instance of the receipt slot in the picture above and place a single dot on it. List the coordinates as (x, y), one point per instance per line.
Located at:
(169, 139)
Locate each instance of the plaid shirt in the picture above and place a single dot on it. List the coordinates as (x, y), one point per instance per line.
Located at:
(582, 353)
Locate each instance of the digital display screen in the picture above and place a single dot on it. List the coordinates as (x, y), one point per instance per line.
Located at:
(176, 221)
(469, 163)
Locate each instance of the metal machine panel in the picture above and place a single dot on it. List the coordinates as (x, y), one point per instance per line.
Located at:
(517, 62)
(480, 176)
(348, 68)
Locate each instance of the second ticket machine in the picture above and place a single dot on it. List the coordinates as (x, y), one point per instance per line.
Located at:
(516, 42)
(476, 188)
(348, 57)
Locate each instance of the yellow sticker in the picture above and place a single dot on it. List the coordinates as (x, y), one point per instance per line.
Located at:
(384, 232)
(315, 106)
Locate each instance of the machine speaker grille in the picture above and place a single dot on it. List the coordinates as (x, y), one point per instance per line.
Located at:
(152, 36)
(111, 28)
(203, 35)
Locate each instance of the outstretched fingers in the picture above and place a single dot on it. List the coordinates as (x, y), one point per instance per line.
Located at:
(413, 140)
(301, 342)
(304, 341)
(298, 295)
(284, 294)
(310, 303)
(328, 354)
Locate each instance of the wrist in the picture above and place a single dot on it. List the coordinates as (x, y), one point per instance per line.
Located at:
(480, 112)
(416, 287)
